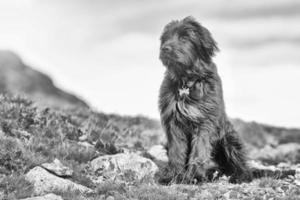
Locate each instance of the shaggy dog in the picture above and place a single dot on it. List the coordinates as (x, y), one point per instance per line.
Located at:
(200, 137)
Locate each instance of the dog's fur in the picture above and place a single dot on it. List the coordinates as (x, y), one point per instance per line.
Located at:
(200, 137)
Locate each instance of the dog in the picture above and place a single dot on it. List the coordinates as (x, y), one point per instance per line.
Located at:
(200, 138)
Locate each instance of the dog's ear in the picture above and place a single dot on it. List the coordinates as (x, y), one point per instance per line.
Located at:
(206, 45)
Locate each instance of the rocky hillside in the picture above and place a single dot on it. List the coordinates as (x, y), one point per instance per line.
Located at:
(18, 78)
(79, 154)
(73, 153)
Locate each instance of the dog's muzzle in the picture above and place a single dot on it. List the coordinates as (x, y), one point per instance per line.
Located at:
(166, 48)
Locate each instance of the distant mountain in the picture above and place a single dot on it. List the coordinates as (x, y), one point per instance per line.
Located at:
(18, 78)
(259, 135)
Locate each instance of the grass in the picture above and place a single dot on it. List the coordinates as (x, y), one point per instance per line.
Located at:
(45, 134)
(269, 182)
(146, 192)
(33, 135)
(15, 186)
(110, 188)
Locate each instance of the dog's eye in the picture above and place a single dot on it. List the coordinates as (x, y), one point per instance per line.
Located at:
(183, 38)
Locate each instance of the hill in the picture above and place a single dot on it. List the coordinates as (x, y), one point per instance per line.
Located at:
(18, 78)
(43, 149)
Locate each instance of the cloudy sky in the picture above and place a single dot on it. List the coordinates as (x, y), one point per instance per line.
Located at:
(106, 51)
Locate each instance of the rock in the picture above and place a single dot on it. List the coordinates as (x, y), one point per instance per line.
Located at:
(283, 165)
(233, 195)
(205, 194)
(83, 138)
(46, 197)
(2, 134)
(1, 195)
(86, 145)
(110, 198)
(22, 134)
(58, 168)
(45, 182)
(123, 165)
(227, 195)
(257, 165)
(297, 182)
(158, 152)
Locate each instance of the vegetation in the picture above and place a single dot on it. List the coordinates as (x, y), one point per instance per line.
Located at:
(31, 135)
(15, 186)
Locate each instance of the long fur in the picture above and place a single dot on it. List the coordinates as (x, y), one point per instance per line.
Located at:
(200, 137)
(201, 140)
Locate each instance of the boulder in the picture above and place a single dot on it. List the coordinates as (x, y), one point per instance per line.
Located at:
(158, 152)
(44, 182)
(289, 152)
(58, 168)
(123, 165)
(45, 197)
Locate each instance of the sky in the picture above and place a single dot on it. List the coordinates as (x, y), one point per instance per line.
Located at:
(106, 51)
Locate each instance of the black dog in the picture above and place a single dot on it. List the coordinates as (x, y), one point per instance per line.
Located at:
(200, 137)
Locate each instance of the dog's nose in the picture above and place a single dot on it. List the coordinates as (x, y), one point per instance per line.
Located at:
(166, 48)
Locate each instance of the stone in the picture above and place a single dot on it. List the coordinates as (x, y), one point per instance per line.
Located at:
(1, 195)
(87, 145)
(258, 165)
(83, 138)
(110, 198)
(297, 182)
(58, 168)
(45, 197)
(227, 195)
(122, 165)
(44, 182)
(158, 152)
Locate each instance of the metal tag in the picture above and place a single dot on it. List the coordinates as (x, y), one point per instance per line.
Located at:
(184, 91)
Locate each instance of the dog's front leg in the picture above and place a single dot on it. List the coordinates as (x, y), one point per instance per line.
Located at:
(200, 158)
(177, 147)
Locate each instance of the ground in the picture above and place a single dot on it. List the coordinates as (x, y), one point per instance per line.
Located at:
(31, 136)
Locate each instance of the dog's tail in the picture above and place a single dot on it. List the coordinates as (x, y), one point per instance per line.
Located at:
(276, 174)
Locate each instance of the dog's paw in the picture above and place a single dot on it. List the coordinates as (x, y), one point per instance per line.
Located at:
(165, 176)
(213, 174)
(165, 180)
(239, 178)
(194, 175)
(169, 175)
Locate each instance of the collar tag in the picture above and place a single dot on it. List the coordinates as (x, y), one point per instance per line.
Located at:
(184, 91)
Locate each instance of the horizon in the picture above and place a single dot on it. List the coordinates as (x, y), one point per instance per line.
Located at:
(107, 52)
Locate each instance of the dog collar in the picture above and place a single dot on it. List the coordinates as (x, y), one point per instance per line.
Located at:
(186, 85)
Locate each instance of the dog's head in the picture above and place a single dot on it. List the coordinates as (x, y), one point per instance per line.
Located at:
(185, 42)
